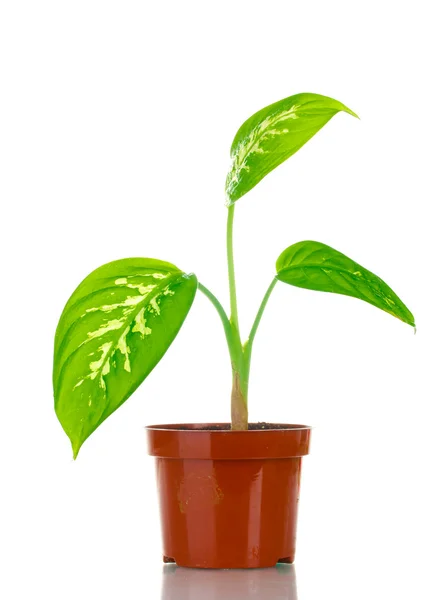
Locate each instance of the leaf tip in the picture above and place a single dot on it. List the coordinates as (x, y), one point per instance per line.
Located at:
(75, 449)
(409, 320)
(352, 113)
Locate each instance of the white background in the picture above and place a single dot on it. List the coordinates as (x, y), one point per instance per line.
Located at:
(115, 125)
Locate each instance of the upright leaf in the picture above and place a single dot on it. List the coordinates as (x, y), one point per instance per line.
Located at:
(272, 135)
(315, 266)
(114, 329)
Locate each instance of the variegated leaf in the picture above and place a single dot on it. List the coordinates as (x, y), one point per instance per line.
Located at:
(114, 329)
(315, 266)
(272, 135)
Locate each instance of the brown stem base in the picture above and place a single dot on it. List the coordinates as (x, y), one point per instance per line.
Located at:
(239, 409)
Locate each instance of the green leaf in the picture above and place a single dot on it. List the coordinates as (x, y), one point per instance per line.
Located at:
(115, 328)
(315, 266)
(272, 135)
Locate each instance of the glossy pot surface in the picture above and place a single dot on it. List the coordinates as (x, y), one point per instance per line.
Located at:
(228, 499)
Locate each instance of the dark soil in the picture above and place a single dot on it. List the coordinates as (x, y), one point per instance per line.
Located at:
(227, 427)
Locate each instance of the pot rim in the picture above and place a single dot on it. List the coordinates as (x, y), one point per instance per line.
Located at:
(198, 428)
(172, 441)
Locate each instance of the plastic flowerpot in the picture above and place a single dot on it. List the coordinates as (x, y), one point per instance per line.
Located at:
(228, 499)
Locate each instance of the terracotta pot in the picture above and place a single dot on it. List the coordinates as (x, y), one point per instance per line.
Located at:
(228, 499)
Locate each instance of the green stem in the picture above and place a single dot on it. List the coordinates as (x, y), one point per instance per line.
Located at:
(240, 355)
(239, 400)
(248, 346)
(231, 275)
(223, 315)
(258, 318)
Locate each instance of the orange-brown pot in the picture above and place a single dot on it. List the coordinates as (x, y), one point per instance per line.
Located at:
(228, 499)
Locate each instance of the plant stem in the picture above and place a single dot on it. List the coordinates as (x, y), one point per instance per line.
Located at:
(248, 346)
(249, 342)
(239, 405)
(240, 354)
(231, 275)
(223, 315)
(239, 400)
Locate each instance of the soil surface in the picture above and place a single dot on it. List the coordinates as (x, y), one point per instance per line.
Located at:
(252, 426)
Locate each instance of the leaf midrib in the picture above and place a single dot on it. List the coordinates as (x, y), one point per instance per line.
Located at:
(321, 267)
(136, 310)
(257, 140)
(91, 294)
(400, 307)
(354, 278)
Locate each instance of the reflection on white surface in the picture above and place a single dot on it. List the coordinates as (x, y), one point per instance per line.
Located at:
(277, 583)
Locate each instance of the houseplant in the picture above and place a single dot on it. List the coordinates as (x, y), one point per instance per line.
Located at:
(122, 318)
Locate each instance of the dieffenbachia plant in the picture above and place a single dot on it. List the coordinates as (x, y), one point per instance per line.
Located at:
(121, 319)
